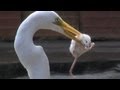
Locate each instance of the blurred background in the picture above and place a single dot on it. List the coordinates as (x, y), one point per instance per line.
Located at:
(102, 26)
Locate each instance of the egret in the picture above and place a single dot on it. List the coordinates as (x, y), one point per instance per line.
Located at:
(32, 57)
(78, 49)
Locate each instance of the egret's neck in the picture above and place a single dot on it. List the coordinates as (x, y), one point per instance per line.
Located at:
(25, 36)
(31, 25)
(28, 37)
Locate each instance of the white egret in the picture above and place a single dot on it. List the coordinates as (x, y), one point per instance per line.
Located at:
(78, 49)
(31, 56)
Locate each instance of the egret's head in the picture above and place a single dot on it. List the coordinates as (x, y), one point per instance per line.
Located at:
(64, 28)
(86, 40)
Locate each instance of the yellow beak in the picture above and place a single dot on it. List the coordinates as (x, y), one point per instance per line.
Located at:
(69, 31)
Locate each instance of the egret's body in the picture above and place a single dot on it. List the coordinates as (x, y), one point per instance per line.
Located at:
(33, 57)
(78, 49)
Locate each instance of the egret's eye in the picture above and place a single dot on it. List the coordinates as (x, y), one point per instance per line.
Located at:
(57, 22)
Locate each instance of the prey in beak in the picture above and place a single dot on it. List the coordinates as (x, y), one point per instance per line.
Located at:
(80, 43)
(77, 50)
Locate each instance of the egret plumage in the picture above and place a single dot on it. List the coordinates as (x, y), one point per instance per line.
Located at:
(31, 56)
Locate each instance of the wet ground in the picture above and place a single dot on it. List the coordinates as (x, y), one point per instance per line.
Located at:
(102, 62)
(104, 75)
